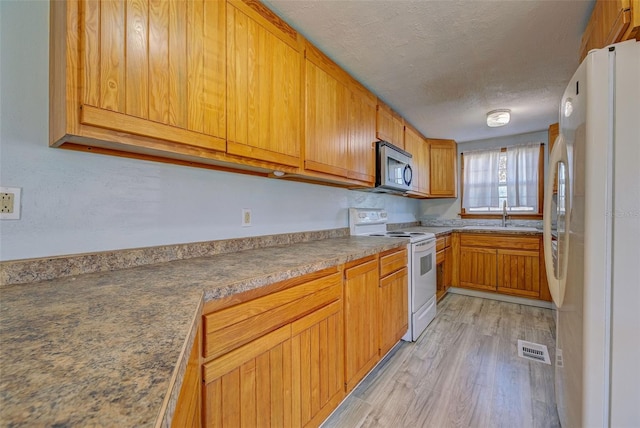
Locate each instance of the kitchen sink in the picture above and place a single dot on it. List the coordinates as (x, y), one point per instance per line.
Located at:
(504, 228)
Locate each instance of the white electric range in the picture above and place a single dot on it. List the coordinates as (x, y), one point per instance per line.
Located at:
(421, 265)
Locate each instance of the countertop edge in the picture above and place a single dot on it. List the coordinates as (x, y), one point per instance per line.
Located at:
(167, 410)
(440, 231)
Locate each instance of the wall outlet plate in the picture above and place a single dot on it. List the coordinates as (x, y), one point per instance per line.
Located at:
(10, 203)
(246, 217)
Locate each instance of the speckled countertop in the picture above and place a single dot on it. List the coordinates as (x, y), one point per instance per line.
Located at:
(444, 230)
(109, 348)
(438, 231)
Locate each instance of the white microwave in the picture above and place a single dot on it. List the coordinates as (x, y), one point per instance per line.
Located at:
(394, 171)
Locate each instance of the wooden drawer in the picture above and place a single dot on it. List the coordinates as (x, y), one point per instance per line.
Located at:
(440, 256)
(232, 327)
(392, 261)
(443, 242)
(484, 240)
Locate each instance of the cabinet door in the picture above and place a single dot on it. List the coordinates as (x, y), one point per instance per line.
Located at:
(389, 126)
(417, 146)
(478, 268)
(155, 69)
(318, 365)
(440, 273)
(263, 89)
(447, 268)
(393, 308)
(327, 122)
(609, 21)
(519, 273)
(443, 168)
(362, 136)
(252, 385)
(360, 320)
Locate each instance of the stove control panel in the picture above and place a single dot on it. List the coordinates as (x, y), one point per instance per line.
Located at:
(363, 216)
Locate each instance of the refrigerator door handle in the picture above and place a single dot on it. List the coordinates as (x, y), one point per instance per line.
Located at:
(556, 283)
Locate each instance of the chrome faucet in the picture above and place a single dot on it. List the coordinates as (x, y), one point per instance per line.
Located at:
(504, 214)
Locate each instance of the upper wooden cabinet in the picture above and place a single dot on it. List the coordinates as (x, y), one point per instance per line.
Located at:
(417, 146)
(215, 84)
(154, 70)
(443, 168)
(362, 134)
(611, 21)
(327, 119)
(340, 122)
(149, 80)
(264, 85)
(389, 125)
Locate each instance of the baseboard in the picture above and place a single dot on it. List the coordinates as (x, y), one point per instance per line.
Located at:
(502, 297)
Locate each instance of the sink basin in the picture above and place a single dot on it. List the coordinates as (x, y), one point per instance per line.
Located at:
(506, 229)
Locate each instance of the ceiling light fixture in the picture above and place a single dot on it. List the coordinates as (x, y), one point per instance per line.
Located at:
(499, 117)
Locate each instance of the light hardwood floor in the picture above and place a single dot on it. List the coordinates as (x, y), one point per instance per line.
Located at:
(464, 371)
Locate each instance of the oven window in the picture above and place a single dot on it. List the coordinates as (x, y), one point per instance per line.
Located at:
(395, 171)
(426, 264)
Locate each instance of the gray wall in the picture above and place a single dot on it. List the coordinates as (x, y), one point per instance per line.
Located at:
(77, 202)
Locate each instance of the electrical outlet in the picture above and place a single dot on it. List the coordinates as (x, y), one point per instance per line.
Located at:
(246, 217)
(6, 203)
(9, 203)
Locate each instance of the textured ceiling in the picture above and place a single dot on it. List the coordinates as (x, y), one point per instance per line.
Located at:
(444, 64)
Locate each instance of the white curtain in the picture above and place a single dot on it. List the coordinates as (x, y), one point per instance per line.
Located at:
(522, 175)
(481, 179)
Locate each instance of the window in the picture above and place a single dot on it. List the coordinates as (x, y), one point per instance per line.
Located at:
(491, 178)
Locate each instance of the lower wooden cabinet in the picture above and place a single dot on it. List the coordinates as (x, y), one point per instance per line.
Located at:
(188, 408)
(290, 377)
(252, 385)
(478, 268)
(276, 360)
(361, 319)
(393, 300)
(287, 357)
(444, 265)
(508, 264)
(519, 273)
(317, 363)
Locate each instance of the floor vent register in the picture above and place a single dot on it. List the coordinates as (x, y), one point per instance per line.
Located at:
(533, 351)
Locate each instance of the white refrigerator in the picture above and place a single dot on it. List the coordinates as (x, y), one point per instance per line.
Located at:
(592, 241)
